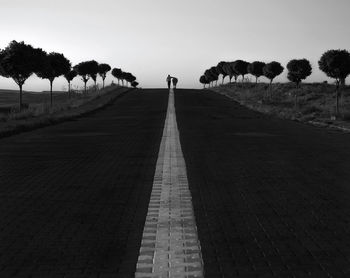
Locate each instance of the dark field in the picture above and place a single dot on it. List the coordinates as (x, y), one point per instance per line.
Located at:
(10, 98)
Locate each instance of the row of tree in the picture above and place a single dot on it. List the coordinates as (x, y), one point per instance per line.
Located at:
(334, 63)
(240, 68)
(19, 61)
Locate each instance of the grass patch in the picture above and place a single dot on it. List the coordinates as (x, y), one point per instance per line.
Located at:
(42, 114)
(315, 101)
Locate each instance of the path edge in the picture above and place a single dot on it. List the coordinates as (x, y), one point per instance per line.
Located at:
(63, 116)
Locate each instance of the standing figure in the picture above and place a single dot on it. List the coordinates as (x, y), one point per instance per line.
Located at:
(175, 80)
(168, 80)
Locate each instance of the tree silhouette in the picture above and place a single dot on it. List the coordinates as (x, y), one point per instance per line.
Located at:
(19, 61)
(124, 77)
(336, 64)
(220, 68)
(240, 67)
(271, 70)
(298, 70)
(210, 76)
(102, 71)
(134, 84)
(203, 80)
(215, 72)
(55, 65)
(232, 71)
(94, 78)
(69, 77)
(86, 70)
(256, 69)
(131, 78)
(117, 73)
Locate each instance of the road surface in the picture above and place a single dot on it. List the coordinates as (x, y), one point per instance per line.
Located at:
(271, 198)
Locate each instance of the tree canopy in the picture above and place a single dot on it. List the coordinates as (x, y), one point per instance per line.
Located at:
(70, 75)
(220, 69)
(102, 71)
(19, 61)
(271, 70)
(134, 84)
(335, 64)
(240, 67)
(298, 70)
(117, 73)
(256, 68)
(203, 80)
(54, 66)
(87, 70)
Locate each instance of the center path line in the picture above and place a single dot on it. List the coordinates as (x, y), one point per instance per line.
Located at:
(170, 245)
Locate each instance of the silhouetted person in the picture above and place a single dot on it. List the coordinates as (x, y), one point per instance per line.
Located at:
(168, 80)
(175, 80)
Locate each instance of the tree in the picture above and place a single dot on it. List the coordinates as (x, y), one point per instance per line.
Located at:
(336, 64)
(215, 72)
(94, 78)
(134, 84)
(19, 61)
(102, 71)
(298, 70)
(117, 73)
(86, 70)
(256, 69)
(69, 77)
(55, 65)
(271, 70)
(240, 67)
(232, 72)
(203, 80)
(124, 77)
(210, 76)
(220, 67)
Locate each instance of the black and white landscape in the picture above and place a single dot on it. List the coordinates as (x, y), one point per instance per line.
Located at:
(174, 139)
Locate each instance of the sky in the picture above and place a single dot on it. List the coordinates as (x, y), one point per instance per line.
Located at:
(153, 38)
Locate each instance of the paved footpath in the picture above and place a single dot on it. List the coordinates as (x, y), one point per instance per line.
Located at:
(271, 197)
(74, 197)
(170, 246)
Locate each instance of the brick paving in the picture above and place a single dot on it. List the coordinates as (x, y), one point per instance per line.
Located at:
(170, 246)
(271, 197)
(74, 197)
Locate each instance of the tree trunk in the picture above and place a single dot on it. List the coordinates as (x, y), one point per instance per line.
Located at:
(51, 81)
(103, 83)
(85, 87)
(342, 81)
(295, 100)
(69, 89)
(230, 79)
(256, 80)
(270, 92)
(223, 78)
(20, 97)
(337, 99)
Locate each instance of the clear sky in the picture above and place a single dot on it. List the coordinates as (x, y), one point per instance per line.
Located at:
(152, 38)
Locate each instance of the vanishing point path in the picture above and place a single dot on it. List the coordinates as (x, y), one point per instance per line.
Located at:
(189, 184)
